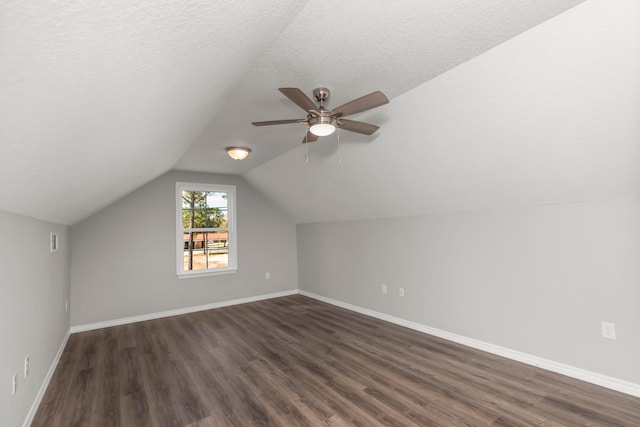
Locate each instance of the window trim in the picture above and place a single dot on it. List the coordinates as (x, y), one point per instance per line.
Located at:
(231, 229)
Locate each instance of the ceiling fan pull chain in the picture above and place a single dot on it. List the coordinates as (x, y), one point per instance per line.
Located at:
(306, 144)
(339, 157)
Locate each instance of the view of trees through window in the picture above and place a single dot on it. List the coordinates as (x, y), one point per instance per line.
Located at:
(205, 229)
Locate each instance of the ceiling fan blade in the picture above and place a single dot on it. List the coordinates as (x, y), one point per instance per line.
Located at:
(298, 96)
(309, 137)
(359, 127)
(277, 122)
(363, 103)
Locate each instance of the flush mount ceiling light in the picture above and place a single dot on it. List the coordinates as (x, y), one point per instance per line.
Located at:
(238, 153)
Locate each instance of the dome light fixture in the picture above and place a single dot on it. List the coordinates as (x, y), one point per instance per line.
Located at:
(322, 125)
(238, 153)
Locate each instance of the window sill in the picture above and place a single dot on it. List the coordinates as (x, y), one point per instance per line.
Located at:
(204, 274)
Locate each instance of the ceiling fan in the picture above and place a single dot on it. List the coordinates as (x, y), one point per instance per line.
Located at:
(322, 122)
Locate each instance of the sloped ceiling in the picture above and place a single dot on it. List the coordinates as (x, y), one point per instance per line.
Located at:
(97, 98)
(100, 97)
(550, 116)
(354, 48)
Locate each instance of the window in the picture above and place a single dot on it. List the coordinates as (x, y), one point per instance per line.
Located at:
(206, 229)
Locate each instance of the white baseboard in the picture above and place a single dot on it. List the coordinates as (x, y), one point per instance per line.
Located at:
(178, 311)
(549, 365)
(43, 388)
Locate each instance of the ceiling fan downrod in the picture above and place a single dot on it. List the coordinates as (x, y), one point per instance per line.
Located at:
(321, 94)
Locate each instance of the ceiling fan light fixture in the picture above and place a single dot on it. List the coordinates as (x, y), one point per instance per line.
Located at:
(322, 125)
(323, 122)
(238, 153)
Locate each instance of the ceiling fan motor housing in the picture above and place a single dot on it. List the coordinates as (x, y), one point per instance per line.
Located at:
(322, 120)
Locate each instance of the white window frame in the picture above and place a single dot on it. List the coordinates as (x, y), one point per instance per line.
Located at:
(231, 227)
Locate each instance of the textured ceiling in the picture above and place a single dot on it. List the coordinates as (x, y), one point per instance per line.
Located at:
(354, 49)
(550, 116)
(97, 98)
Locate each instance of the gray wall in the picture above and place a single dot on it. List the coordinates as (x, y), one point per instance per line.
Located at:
(536, 279)
(34, 286)
(123, 257)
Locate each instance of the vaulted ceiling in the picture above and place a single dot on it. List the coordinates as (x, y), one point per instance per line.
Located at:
(492, 102)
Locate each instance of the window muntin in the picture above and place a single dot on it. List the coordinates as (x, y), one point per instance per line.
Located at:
(205, 223)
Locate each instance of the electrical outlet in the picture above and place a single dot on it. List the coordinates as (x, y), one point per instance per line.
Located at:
(66, 306)
(14, 386)
(267, 275)
(608, 330)
(26, 366)
(384, 288)
(401, 291)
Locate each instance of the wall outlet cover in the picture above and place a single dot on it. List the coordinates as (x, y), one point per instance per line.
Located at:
(608, 330)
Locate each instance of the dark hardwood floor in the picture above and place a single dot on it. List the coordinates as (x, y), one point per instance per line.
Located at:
(295, 361)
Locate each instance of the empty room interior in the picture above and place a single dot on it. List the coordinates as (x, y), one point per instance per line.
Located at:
(320, 213)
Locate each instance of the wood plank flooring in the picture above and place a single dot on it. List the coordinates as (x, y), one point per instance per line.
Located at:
(294, 361)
